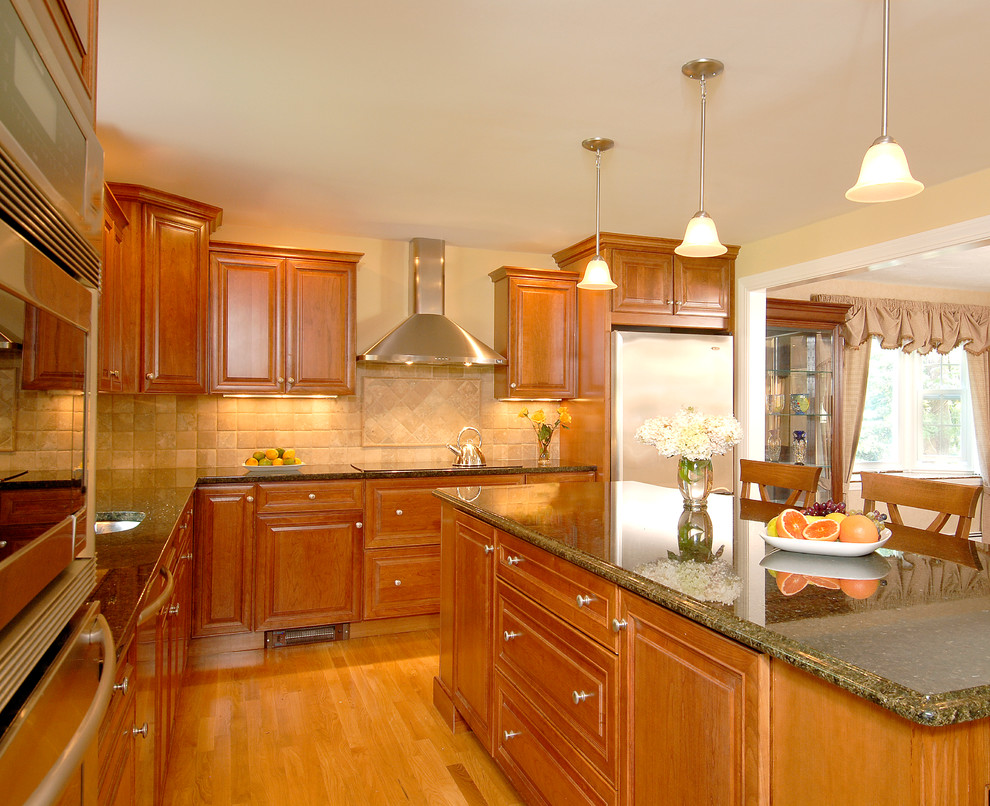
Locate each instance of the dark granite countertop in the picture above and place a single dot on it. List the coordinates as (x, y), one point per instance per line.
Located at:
(907, 627)
(127, 560)
(39, 479)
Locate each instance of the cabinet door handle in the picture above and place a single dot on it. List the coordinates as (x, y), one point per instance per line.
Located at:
(512, 386)
(122, 686)
(186, 556)
(580, 696)
(398, 583)
(173, 610)
(250, 499)
(312, 496)
(489, 549)
(150, 376)
(508, 635)
(280, 380)
(509, 734)
(292, 380)
(582, 601)
(3, 544)
(619, 625)
(115, 373)
(514, 560)
(398, 512)
(142, 731)
(358, 525)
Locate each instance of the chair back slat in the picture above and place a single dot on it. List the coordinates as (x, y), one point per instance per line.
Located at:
(801, 480)
(944, 498)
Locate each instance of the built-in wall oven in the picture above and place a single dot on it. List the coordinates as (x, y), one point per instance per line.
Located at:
(56, 652)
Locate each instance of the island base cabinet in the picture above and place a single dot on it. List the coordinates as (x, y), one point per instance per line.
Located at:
(830, 746)
(695, 713)
(538, 761)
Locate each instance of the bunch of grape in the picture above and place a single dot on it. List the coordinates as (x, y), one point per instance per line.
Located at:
(819, 509)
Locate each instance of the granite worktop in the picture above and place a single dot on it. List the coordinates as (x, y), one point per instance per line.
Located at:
(907, 627)
(126, 561)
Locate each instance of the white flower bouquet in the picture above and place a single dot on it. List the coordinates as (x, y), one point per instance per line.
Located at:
(690, 434)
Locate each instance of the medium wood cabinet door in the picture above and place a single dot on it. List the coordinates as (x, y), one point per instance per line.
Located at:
(175, 288)
(645, 283)
(224, 559)
(319, 327)
(119, 295)
(535, 329)
(308, 569)
(696, 710)
(473, 647)
(703, 286)
(246, 313)
(54, 352)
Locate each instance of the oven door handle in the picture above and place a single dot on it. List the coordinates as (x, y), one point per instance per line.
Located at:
(68, 762)
(152, 610)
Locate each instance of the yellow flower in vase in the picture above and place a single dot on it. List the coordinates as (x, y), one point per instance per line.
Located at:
(545, 431)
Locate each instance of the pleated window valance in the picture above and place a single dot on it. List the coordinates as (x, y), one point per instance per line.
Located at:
(914, 326)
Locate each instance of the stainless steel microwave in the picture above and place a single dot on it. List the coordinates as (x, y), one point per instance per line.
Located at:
(51, 164)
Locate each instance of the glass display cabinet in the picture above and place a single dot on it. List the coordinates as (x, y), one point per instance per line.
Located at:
(804, 388)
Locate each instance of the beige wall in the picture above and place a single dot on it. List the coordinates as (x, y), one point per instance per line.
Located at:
(938, 206)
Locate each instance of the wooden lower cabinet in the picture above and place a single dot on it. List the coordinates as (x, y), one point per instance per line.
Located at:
(308, 569)
(401, 582)
(695, 712)
(116, 738)
(224, 559)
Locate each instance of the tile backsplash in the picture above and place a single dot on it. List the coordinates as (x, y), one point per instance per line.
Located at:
(400, 414)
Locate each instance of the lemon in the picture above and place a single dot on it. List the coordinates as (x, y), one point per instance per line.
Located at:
(838, 517)
(278, 461)
(772, 527)
(266, 462)
(280, 452)
(258, 456)
(252, 462)
(289, 453)
(271, 453)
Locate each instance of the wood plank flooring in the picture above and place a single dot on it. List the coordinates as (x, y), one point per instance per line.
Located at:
(338, 723)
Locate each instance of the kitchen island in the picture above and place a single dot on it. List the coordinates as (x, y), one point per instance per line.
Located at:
(756, 677)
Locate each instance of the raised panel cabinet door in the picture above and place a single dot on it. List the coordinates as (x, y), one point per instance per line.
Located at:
(702, 286)
(246, 321)
(541, 357)
(308, 569)
(175, 291)
(473, 646)
(224, 559)
(645, 283)
(54, 352)
(319, 327)
(696, 712)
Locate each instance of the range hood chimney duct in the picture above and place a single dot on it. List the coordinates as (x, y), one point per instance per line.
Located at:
(427, 336)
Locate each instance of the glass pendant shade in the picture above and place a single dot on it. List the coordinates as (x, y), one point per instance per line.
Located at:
(700, 238)
(885, 175)
(597, 276)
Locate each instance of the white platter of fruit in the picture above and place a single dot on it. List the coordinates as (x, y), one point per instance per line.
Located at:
(817, 530)
(274, 459)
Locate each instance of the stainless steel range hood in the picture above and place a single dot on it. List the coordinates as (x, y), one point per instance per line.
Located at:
(429, 337)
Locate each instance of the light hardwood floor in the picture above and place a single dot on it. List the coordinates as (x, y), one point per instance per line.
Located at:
(338, 723)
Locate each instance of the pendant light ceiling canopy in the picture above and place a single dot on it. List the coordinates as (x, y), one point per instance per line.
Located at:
(597, 276)
(701, 237)
(884, 175)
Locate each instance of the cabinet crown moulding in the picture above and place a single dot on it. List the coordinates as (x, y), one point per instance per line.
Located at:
(614, 240)
(124, 191)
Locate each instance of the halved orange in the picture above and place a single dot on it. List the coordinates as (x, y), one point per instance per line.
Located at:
(789, 584)
(825, 582)
(791, 523)
(826, 530)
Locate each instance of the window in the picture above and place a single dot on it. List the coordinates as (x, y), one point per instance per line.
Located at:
(917, 413)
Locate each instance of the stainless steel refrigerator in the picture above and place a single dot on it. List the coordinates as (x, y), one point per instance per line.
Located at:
(653, 375)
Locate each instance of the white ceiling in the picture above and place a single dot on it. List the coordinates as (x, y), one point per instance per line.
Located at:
(462, 119)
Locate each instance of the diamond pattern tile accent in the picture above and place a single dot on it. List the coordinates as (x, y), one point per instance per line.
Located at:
(418, 411)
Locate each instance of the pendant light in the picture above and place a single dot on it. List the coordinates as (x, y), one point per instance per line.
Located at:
(596, 275)
(701, 237)
(885, 175)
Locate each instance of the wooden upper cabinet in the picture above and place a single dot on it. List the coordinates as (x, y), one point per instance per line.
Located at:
(166, 253)
(54, 356)
(118, 331)
(535, 329)
(282, 319)
(658, 288)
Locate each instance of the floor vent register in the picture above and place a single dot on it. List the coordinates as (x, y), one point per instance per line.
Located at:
(307, 635)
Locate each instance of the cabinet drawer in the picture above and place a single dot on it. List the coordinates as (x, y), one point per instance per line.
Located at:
(115, 743)
(405, 512)
(302, 496)
(560, 478)
(38, 506)
(557, 584)
(401, 582)
(537, 761)
(569, 677)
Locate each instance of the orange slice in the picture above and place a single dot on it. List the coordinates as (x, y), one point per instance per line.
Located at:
(791, 523)
(789, 584)
(825, 582)
(826, 530)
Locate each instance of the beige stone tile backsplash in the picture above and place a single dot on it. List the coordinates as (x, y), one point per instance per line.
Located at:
(399, 414)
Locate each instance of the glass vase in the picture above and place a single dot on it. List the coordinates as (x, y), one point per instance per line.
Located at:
(694, 480)
(544, 458)
(773, 446)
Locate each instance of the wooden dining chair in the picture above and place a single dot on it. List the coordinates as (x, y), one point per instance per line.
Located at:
(796, 478)
(945, 498)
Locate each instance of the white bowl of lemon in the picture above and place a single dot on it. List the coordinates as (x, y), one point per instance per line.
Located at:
(274, 459)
